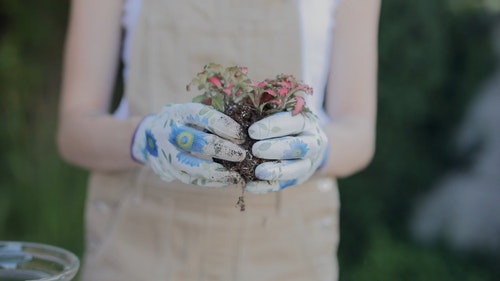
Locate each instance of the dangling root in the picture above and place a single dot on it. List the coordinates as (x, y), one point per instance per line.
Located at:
(241, 199)
(241, 203)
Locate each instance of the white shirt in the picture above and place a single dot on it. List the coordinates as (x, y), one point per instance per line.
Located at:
(317, 21)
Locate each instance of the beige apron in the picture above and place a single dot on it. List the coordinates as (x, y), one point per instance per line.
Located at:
(141, 228)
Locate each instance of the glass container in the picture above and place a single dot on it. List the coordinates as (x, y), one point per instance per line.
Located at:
(35, 261)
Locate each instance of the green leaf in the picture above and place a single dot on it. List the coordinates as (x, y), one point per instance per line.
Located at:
(218, 103)
(200, 98)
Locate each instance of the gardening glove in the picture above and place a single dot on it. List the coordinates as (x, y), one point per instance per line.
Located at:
(297, 143)
(180, 141)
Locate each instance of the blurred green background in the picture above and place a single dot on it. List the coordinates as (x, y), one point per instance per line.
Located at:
(434, 55)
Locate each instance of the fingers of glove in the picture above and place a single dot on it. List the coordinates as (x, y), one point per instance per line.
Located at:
(283, 170)
(207, 117)
(285, 148)
(209, 182)
(223, 149)
(221, 179)
(277, 125)
(204, 171)
(190, 139)
(262, 187)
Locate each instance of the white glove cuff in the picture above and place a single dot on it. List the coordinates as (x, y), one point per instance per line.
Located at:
(138, 148)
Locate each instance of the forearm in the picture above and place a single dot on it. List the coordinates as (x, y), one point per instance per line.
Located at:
(87, 135)
(96, 142)
(351, 147)
(352, 88)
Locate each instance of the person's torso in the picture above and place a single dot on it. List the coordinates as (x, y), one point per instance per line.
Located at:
(168, 42)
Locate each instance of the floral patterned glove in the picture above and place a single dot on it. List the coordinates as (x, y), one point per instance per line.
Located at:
(297, 142)
(180, 141)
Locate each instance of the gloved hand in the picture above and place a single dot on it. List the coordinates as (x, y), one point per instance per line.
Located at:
(299, 145)
(180, 141)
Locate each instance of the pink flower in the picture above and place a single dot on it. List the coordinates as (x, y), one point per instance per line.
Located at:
(283, 92)
(215, 80)
(286, 84)
(262, 84)
(299, 105)
(232, 85)
(227, 90)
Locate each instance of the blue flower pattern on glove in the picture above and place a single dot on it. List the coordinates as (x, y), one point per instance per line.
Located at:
(298, 149)
(189, 159)
(151, 146)
(296, 144)
(187, 138)
(181, 141)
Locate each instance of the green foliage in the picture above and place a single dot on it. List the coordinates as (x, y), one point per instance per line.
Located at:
(41, 198)
(222, 87)
(387, 258)
(466, 5)
(432, 62)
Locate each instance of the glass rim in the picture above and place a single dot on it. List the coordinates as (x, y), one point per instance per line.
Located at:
(70, 262)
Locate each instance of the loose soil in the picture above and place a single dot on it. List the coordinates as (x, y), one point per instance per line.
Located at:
(245, 115)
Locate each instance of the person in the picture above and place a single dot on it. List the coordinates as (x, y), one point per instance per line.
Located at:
(162, 208)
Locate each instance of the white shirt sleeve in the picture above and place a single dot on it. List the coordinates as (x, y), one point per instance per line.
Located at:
(317, 22)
